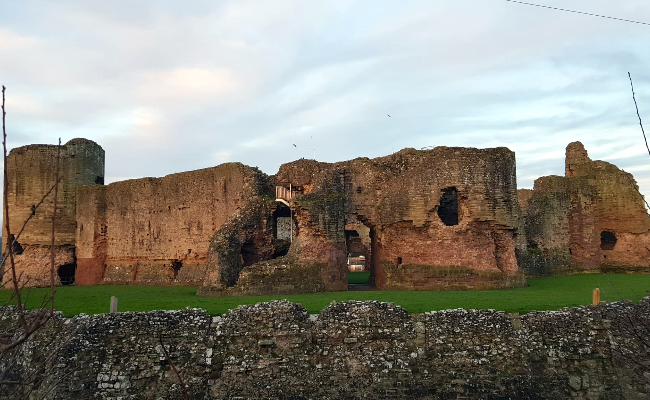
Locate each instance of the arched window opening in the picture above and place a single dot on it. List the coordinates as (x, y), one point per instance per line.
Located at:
(607, 240)
(448, 208)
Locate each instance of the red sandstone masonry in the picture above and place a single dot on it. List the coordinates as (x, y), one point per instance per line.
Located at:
(158, 230)
(31, 173)
(141, 227)
(565, 216)
(397, 198)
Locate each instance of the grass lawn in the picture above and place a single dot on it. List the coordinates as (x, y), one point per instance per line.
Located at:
(542, 294)
(358, 277)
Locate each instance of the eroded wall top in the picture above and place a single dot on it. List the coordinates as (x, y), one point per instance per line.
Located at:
(407, 185)
(620, 204)
(592, 217)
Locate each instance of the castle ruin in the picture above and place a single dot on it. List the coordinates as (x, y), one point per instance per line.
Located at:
(446, 218)
(594, 217)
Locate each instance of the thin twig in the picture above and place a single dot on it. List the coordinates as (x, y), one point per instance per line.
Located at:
(16, 237)
(38, 323)
(41, 317)
(13, 293)
(10, 250)
(171, 363)
(56, 192)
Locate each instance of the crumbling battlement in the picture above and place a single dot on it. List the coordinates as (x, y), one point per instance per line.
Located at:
(31, 173)
(350, 350)
(592, 217)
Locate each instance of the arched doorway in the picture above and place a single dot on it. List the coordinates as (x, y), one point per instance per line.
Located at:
(359, 240)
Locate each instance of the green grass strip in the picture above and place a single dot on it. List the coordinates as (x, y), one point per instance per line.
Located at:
(542, 294)
(358, 277)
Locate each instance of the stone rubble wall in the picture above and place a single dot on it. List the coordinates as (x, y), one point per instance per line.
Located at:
(248, 232)
(351, 350)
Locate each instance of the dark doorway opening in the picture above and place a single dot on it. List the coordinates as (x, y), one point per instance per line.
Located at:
(18, 249)
(282, 231)
(359, 254)
(448, 208)
(249, 254)
(176, 267)
(66, 273)
(607, 240)
(282, 222)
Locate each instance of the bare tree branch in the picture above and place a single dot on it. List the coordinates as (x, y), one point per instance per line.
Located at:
(56, 192)
(41, 316)
(10, 250)
(34, 208)
(171, 363)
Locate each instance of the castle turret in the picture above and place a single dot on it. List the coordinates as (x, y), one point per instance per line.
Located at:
(31, 174)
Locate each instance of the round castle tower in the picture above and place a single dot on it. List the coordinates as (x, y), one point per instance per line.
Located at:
(31, 172)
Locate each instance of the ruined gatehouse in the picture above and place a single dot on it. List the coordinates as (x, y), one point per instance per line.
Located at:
(445, 218)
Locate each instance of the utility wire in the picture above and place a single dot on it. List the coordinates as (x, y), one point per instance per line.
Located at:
(578, 12)
(637, 113)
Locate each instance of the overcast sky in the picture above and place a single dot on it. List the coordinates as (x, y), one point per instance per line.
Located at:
(170, 86)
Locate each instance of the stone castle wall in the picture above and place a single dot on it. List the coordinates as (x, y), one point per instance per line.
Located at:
(158, 230)
(397, 198)
(446, 218)
(31, 172)
(569, 219)
(350, 350)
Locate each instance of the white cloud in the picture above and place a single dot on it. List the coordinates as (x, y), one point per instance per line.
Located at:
(12, 41)
(165, 87)
(187, 84)
(232, 44)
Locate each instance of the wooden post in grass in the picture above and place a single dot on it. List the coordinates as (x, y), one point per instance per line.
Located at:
(113, 304)
(596, 296)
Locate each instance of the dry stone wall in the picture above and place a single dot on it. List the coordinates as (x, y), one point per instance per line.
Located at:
(351, 350)
(31, 173)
